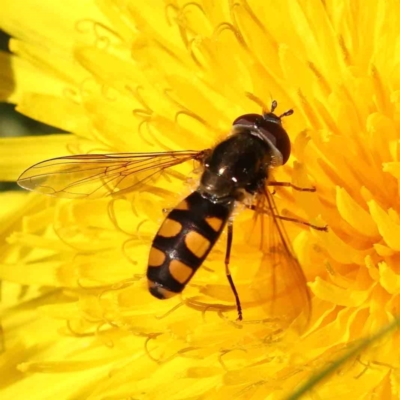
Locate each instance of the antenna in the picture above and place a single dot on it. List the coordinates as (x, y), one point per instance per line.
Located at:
(286, 113)
(274, 104)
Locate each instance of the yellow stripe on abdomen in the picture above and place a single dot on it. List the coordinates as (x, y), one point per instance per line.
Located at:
(170, 228)
(215, 223)
(197, 244)
(156, 257)
(180, 271)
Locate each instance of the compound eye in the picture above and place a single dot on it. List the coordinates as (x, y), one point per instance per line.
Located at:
(249, 120)
(271, 130)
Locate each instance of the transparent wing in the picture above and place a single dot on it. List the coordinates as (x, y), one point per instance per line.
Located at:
(100, 175)
(279, 285)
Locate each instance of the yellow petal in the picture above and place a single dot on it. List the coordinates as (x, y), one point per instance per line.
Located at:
(30, 150)
(356, 216)
(388, 228)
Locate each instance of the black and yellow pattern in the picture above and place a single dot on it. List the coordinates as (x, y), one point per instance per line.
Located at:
(183, 242)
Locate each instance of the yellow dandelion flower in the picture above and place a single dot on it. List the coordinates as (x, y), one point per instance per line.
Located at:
(77, 319)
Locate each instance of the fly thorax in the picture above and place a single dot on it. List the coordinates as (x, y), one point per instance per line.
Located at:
(215, 186)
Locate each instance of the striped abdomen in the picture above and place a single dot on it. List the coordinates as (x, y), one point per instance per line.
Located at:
(183, 242)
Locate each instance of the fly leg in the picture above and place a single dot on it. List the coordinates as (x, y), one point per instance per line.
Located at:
(288, 184)
(297, 221)
(228, 272)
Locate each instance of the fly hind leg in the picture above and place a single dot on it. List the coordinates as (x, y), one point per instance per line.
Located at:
(297, 221)
(228, 272)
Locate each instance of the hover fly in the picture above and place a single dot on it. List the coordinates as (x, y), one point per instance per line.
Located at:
(236, 170)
